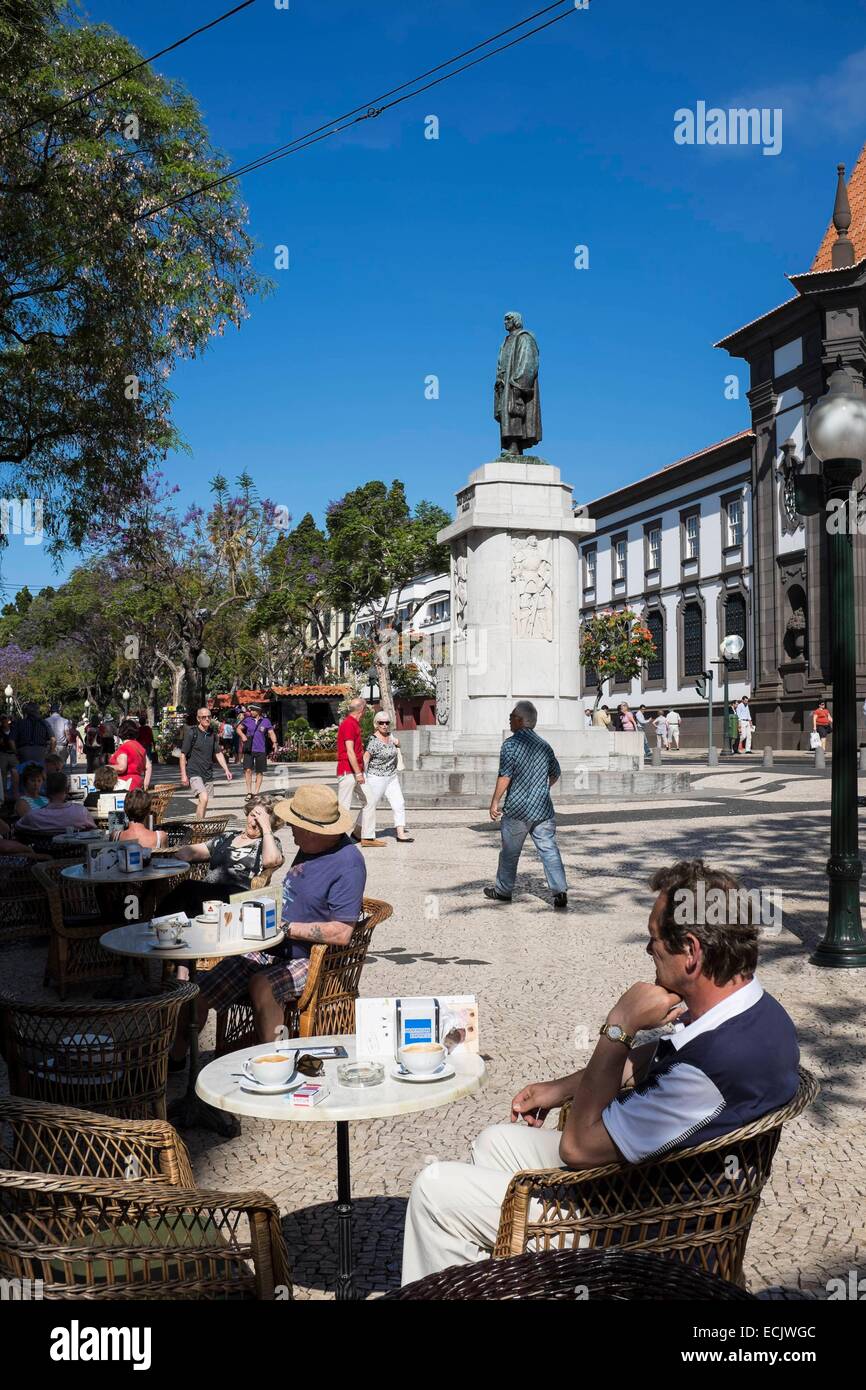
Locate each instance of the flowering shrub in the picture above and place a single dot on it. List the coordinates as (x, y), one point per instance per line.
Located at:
(615, 645)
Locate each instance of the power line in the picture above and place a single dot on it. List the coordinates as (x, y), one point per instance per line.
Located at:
(369, 109)
(91, 91)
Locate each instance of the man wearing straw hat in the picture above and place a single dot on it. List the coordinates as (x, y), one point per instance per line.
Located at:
(322, 897)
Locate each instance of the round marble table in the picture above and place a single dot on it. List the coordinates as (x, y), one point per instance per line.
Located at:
(112, 888)
(138, 941)
(219, 1085)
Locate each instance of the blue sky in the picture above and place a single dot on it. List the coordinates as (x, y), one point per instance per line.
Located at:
(405, 252)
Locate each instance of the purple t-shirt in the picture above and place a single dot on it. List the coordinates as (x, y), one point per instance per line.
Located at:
(257, 729)
(325, 887)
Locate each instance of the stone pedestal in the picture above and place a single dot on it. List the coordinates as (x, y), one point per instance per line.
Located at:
(514, 583)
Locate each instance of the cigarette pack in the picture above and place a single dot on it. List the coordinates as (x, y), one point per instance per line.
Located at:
(259, 919)
(310, 1094)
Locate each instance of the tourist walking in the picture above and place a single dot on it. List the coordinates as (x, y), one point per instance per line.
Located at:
(673, 729)
(382, 766)
(31, 735)
(256, 730)
(642, 720)
(627, 721)
(527, 770)
(92, 745)
(130, 759)
(822, 722)
(62, 732)
(660, 724)
(350, 757)
(199, 751)
(744, 715)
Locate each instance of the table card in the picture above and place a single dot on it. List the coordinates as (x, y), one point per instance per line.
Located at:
(382, 1026)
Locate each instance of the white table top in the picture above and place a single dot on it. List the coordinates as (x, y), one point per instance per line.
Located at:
(220, 1088)
(65, 838)
(137, 939)
(149, 873)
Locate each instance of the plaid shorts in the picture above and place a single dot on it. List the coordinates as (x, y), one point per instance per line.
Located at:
(227, 983)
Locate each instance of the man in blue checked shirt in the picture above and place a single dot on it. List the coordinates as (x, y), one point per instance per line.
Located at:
(527, 770)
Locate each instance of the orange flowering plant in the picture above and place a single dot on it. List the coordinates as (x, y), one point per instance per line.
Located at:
(615, 645)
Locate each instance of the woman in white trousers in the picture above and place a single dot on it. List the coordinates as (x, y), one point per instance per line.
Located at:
(381, 779)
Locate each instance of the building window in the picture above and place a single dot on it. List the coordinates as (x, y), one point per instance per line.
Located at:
(590, 677)
(438, 612)
(619, 560)
(655, 669)
(735, 626)
(589, 558)
(691, 536)
(693, 639)
(734, 511)
(344, 663)
(654, 547)
(403, 614)
(363, 629)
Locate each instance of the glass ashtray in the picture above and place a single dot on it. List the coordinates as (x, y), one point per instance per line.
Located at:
(360, 1073)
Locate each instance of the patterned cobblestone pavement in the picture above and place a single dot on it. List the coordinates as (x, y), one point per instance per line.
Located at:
(544, 982)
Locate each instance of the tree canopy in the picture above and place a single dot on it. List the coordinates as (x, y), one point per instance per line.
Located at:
(99, 299)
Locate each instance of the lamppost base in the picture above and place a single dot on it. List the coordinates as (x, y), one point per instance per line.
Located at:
(840, 957)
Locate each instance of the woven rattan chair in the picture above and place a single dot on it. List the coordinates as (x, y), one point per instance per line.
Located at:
(574, 1275)
(105, 1208)
(695, 1204)
(111, 1058)
(74, 953)
(327, 1005)
(194, 832)
(160, 795)
(24, 910)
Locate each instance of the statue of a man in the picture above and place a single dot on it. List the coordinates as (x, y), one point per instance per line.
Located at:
(516, 402)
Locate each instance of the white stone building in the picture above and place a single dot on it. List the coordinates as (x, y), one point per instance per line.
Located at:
(676, 546)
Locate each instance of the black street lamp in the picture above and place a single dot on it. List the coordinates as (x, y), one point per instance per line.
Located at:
(836, 428)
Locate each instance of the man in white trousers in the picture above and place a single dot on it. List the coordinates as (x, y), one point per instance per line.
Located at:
(730, 1056)
(350, 757)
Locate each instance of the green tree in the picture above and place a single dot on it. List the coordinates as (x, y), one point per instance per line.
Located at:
(98, 299)
(377, 546)
(615, 645)
(297, 600)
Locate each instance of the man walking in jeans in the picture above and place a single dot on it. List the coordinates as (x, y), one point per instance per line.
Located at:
(527, 770)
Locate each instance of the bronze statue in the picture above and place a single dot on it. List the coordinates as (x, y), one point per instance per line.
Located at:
(516, 402)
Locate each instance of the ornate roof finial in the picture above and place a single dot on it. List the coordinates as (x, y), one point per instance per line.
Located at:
(842, 251)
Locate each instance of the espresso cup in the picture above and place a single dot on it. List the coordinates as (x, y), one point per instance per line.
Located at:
(422, 1058)
(211, 908)
(271, 1068)
(166, 933)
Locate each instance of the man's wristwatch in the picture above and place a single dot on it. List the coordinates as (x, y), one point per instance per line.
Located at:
(616, 1034)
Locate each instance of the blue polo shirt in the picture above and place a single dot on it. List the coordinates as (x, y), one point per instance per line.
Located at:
(734, 1064)
(325, 887)
(529, 762)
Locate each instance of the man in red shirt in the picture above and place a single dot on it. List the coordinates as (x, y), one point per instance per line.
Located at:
(350, 757)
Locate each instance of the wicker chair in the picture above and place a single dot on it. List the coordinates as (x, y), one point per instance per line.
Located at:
(111, 1058)
(574, 1275)
(327, 1005)
(161, 795)
(24, 909)
(193, 832)
(694, 1204)
(74, 953)
(101, 1208)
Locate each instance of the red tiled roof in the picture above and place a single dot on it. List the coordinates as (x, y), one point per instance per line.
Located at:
(264, 697)
(857, 231)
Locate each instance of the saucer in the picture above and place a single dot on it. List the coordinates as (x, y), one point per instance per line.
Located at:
(443, 1072)
(253, 1087)
(208, 920)
(167, 945)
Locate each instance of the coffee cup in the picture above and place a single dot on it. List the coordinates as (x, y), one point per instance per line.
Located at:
(211, 907)
(167, 933)
(422, 1058)
(271, 1068)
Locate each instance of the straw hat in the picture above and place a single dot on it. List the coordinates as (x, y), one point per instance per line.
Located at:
(315, 807)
